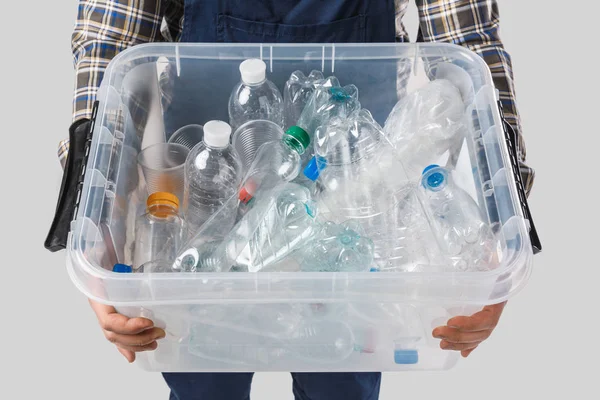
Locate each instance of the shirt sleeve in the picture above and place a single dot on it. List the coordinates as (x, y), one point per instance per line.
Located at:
(102, 30)
(475, 24)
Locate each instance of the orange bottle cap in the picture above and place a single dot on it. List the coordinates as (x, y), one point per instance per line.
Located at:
(164, 199)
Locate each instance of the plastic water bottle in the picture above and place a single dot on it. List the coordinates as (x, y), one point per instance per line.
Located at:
(212, 176)
(275, 162)
(361, 179)
(255, 97)
(338, 248)
(298, 91)
(326, 103)
(425, 124)
(158, 232)
(459, 224)
(280, 222)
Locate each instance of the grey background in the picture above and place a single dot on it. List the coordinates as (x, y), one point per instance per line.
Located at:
(546, 344)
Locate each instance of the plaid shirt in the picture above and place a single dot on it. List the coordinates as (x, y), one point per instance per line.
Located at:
(106, 27)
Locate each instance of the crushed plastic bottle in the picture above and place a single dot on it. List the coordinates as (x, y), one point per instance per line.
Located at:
(255, 97)
(338, 248)
(212, 176)
(425, 124)
(459, 224)
(280, 222)
(298, 91)
(158, 232)
(326, 103)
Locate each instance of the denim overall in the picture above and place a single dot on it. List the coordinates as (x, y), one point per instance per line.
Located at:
(276, 21)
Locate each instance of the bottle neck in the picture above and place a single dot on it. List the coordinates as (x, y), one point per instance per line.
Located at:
(254, 84)
(293, 144)
(162, 210)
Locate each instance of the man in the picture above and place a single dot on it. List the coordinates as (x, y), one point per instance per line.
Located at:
(106, 27)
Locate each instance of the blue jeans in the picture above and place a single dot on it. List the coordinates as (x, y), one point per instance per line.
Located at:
(307, 386)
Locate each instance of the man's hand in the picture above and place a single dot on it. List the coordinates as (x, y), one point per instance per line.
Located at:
(130, 335)
(464, 334)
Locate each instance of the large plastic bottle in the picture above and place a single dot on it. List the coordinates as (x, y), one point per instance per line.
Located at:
(298, 91)
(255, 97)
(361, 179)
(280, 222)
(212, 176)
(458, 222)
(427, 123)
(158, 232)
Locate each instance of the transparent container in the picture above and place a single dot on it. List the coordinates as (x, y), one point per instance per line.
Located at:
(246, 321)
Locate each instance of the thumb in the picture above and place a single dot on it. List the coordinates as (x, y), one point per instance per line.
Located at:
(129, 355)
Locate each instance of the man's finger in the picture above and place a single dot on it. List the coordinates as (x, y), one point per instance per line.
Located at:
(141, 339)
(466, 353)
(121, 324)
(129, 355)
(482, 320)
(137, 349)
(454, 335)
(458, 346)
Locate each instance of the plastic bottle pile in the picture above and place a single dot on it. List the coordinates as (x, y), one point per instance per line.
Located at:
(336, 192)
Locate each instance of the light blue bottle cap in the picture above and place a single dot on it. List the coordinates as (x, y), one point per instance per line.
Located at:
(314, 167)
(406, 356)
(122, 268)
(433, 177)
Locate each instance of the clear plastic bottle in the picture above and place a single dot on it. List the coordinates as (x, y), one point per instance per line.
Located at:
(280, 222)
(298, 91)
(326, 103)
(255, 97)
(275, 162)
(338, 248)
(459, 224)
(361, 179)
(425, 124)
(158, 232)
(212, 176)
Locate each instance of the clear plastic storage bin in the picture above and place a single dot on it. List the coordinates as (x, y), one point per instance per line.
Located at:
(305, 321)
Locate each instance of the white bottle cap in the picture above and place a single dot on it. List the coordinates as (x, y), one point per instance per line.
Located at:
(216, 134)
(253, 71)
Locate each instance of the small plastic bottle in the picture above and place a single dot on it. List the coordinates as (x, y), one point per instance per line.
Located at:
(212, 176)
(158, 232)
(459, 224)
(255, 97)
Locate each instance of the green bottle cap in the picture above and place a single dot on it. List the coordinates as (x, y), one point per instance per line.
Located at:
(300, 135)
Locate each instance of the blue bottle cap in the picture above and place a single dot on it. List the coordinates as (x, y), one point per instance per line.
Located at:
(314, 167)
(429, 168)
(122, 268)
(433, 177)
(406, 356)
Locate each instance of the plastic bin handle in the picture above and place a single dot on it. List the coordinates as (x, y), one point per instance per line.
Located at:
(80, 139)
(511, 140)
